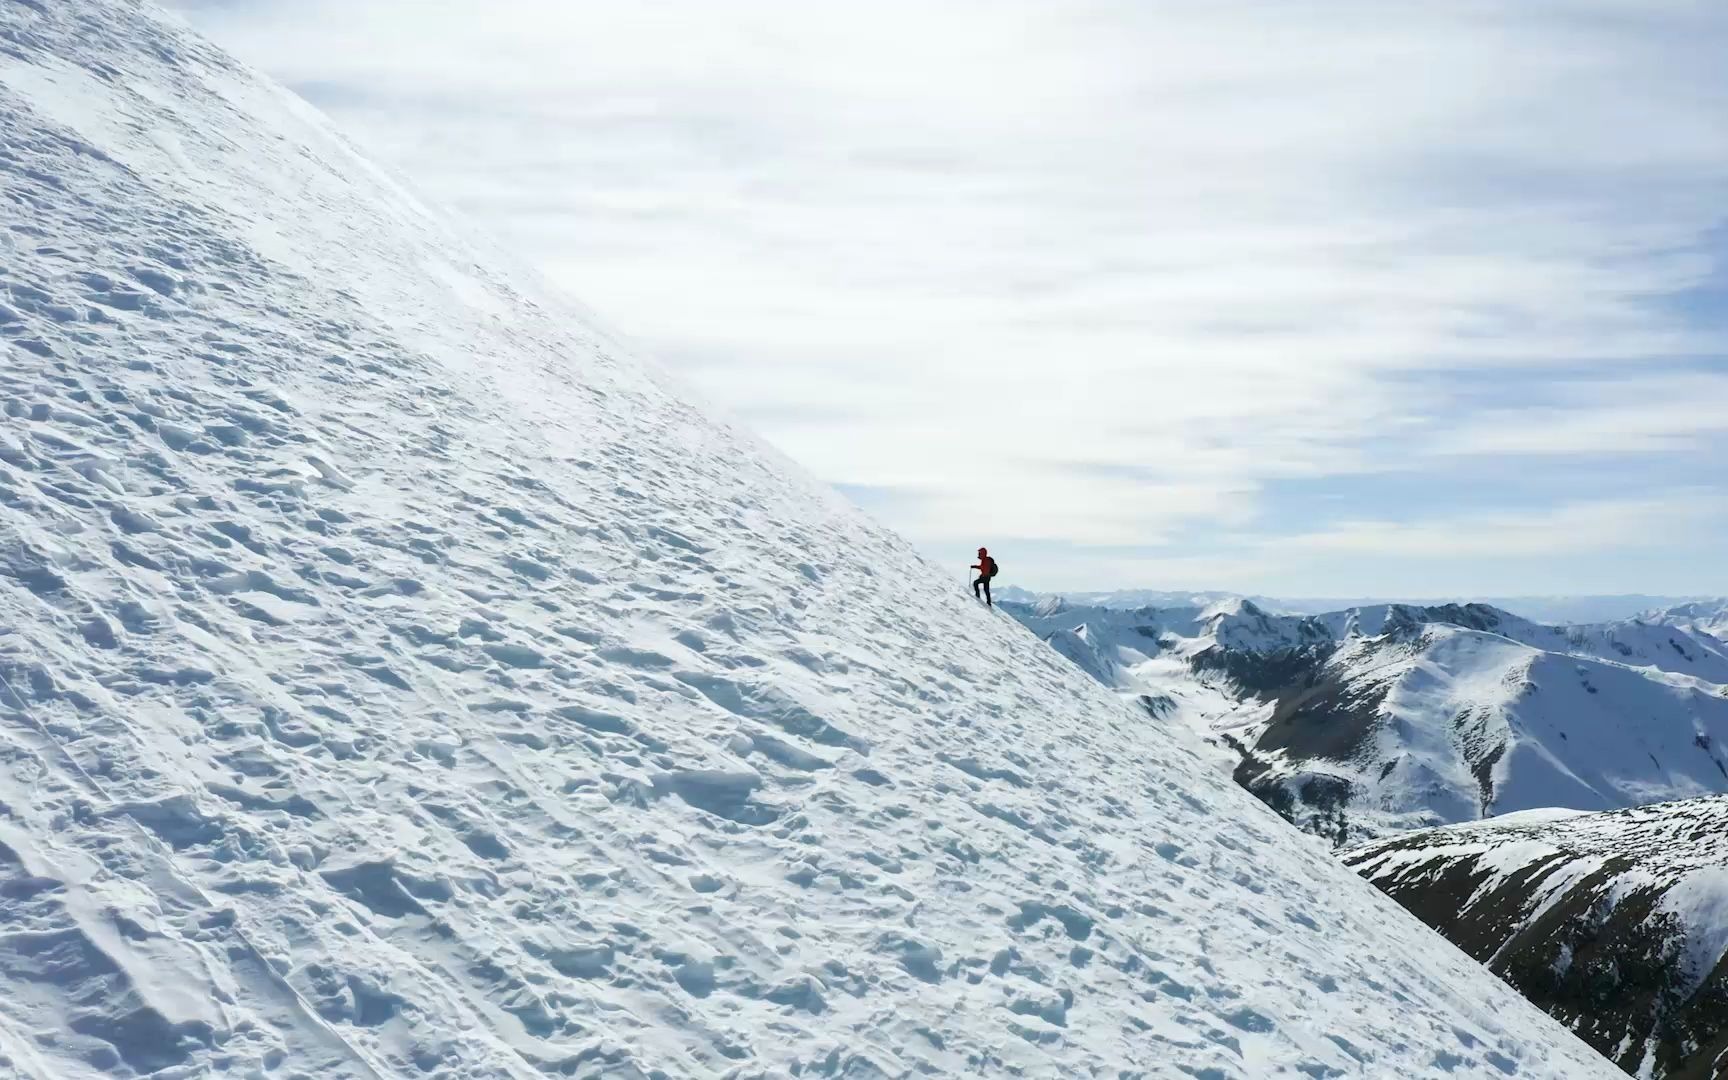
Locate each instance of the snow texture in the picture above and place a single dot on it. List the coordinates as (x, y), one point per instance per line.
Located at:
(400, 679)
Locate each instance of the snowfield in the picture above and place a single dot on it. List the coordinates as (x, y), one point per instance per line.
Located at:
(400, 680)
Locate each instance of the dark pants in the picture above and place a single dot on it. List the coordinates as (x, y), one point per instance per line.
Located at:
(984, 581)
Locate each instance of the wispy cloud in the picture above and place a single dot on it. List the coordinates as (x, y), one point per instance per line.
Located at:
(1639, 525)
(1639, 414)
(1106, 272)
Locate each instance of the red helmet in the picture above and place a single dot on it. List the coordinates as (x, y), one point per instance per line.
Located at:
(983, 551)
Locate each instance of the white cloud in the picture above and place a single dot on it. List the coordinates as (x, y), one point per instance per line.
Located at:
(1099, 271)
(1606, 418)
(1646, 524)
(1612, 544)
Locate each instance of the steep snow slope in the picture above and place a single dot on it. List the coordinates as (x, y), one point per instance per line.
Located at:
(1373, 720)
(400, 680)
(1616, 923)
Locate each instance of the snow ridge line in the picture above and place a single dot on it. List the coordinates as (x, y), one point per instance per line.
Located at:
(165, 856)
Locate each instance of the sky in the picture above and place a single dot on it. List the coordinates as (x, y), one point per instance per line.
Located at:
(1331, 297)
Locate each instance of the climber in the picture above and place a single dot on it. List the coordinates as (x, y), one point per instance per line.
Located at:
(986, 567)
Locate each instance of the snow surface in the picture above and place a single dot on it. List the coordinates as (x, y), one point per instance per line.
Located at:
(399, 679)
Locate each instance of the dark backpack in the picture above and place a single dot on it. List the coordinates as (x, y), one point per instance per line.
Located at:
(992, 569)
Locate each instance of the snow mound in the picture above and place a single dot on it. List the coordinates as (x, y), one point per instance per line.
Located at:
(399, 679)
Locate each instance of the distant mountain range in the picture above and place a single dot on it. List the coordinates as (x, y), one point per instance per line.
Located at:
(1558, 610)
(1374, 720)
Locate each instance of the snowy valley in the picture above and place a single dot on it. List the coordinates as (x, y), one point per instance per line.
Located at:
(401, 679)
